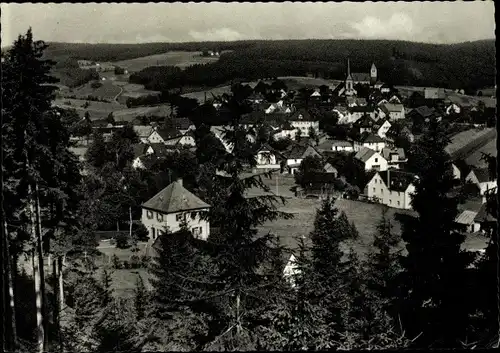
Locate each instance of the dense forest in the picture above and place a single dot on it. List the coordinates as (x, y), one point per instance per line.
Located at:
(468, 65)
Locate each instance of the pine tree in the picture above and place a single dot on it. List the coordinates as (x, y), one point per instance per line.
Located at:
(433, 292)
(97, 154)
(140, 298)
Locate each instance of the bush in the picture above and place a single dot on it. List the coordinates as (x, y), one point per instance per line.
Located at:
(122, 241)
(96, 84)
(145, 261)
(339, 184)
(140, 232)
(126, 265)
(115, 262)
(135, 261)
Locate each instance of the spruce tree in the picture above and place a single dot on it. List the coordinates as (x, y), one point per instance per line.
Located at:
(434, 302)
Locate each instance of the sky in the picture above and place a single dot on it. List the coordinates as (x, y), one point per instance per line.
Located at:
(431, 22)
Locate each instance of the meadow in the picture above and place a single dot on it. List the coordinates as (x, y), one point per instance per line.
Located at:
(180, 59)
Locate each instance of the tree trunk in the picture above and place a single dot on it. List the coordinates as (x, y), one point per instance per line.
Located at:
(35, 262)
(130, 221)
(10, 329)
(238, 323)
(117, 226)
(39, 244)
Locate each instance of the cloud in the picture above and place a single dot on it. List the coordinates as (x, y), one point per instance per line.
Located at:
(399, 26)
(220, 34)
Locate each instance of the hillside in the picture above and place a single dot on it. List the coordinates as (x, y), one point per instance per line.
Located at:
(470, 65)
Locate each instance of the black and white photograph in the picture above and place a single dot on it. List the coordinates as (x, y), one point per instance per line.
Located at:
(277, 176)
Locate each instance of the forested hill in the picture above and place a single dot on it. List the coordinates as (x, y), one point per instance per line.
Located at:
(469, 65)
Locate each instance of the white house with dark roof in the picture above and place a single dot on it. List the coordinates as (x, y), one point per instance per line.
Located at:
(335, 146)
(171, 207)
(297, 153)
(482, 179)
(268, 158)
(392, 188)
(391, 111)
(303, 121)
(371, 141)
(381, 127)
(395, 157)
(370, 159)
(357, 112)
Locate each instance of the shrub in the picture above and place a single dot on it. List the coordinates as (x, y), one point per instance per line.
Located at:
(116, 263)
(145, 261)
(122, 241)
(126, 265)
(96, 84)
(339, 184)
(140, 232)
(135, 261)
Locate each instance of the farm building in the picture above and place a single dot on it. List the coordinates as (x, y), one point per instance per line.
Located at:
(466, 222)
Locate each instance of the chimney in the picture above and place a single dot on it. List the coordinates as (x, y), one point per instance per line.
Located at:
(179, 181)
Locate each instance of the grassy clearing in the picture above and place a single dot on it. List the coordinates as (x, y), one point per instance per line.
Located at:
(174, 58)
(364, 215)
(108, 90)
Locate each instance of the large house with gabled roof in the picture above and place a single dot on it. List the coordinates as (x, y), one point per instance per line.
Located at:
(393, 188)
(172, 206)
(370, 159)
(369, 140)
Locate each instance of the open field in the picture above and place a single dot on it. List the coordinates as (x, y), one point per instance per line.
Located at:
(295, 82)
(364, 215)
(129, 114)
(108, 90)
(279, 185)
(180, 59)
(97, 110)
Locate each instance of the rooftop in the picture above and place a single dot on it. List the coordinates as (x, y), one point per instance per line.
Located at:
(466, 217)
(399, 180)
(175, 198)
(364, 154)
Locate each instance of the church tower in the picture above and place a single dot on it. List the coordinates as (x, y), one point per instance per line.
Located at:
(349, 82)
(373, 74)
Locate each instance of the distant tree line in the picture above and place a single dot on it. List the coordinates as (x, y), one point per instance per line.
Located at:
(400, 63)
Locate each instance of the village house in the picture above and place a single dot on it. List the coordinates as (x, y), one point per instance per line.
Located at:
(268, 158)
(335, 146)
(355, 101)
(395, 157)
(342, 112)
(391, 111)
(143, 132)
(466, 222)
(161, 135)
(485, 219)
(303, 121)
(170, 208)
(256, 98)
(483, 180)
(370, 159)
(296, 154)
(385, 88)
(453, 108)
(381, 127)
(392, 188)
(329, 168)
(369, 140)
(396, 131)
(364, 124)
(357, 112)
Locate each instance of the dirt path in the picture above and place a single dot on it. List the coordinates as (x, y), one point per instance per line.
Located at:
(118, 95)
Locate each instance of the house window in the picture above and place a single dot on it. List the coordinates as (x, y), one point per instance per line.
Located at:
(374, 190)
(159, 217)
(381, 191)
(390, 201)
(376, 160)
(149, 214)
(197, 231)
(178, 217)
(398, 203)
